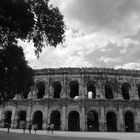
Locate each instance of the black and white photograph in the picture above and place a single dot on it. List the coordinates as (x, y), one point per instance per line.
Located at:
(70, 69)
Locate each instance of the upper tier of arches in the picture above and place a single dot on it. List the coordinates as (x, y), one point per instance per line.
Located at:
(91, 89)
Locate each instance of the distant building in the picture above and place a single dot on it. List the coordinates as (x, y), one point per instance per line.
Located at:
(79, 99)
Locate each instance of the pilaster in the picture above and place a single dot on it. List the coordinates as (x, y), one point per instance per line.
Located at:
(28, 118)
(63, 118)
(82, 87)
(137, 122)
(82, 119)
(64, 87)
(14, 118)
(46, 88)
(120, 120)
(45, 117)
(102, 122)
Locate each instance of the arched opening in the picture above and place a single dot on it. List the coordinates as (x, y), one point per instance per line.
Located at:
(55, 119)
(73, 121)
(111, 122)
(40, 90)
(92, 121)
(38, 119)
(57, 89)
(25, 95)
(7, 118)
(139, 91)
(21, 119)
(129, 122)
(91, 89)
(74, 89)
(108, 91)
(125, 91)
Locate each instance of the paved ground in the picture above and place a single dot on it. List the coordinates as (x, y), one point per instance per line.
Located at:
(64, 135)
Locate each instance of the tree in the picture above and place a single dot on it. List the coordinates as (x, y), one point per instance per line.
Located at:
(32, 20)
(16, 76)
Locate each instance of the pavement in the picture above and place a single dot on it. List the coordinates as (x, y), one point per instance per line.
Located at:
(86, 135)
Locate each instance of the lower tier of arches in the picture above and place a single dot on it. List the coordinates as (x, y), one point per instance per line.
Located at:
(73, 120)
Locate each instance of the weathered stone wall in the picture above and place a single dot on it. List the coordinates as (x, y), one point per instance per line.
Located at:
(82, 105)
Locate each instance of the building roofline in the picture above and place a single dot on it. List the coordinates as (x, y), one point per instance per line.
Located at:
(69, 70)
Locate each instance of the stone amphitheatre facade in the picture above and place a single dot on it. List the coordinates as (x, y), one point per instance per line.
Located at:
(79, 99)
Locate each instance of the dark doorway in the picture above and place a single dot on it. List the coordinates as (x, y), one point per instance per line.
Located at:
(21, 119)
(57, 89)
(108, 91)
(91, 88)
(129, 122)
(73, 121)
(125, 91)
(74, 89)
(38, 119)
(55, 119)
(111, 122)
(40, 90)
(92, 121)
(7, 118)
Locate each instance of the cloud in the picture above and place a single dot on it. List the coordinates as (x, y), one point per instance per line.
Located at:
(100, 33)
(109, 60)
(132, 65)
(121, 16)
(91, 50)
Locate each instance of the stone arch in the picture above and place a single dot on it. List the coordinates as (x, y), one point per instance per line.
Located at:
(38, 119)
(56, 89)
(129, 121)
(7, 117)
(73, 121)
(21, 115)
(139, 90)
(74, 89)
(55, 118)
(91, 88)
(111, 120)
(125, 90)
(108, 90)
(40, 88)
(92, 121)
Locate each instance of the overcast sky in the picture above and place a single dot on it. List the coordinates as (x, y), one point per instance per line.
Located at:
(100, 33)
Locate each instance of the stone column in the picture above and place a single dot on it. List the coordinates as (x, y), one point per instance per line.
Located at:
(137, 122)
(64, 91)
(35, 91)
(120, 120)
(118, 89)
(67, 89)
(48, 114)
(82, 86)
(102, 120)
(14, 118)
(2, 119)
(101, 90)
(46, 95)
(83, 119)
(51, 91)
(28, 118)
(48, 88)
(63, 118)
(45, 117)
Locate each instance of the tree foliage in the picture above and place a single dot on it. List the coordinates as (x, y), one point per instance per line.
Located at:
(16, 76)
(34, 20)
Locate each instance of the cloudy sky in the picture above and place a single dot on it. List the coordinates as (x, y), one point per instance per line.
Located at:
(100, 33)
